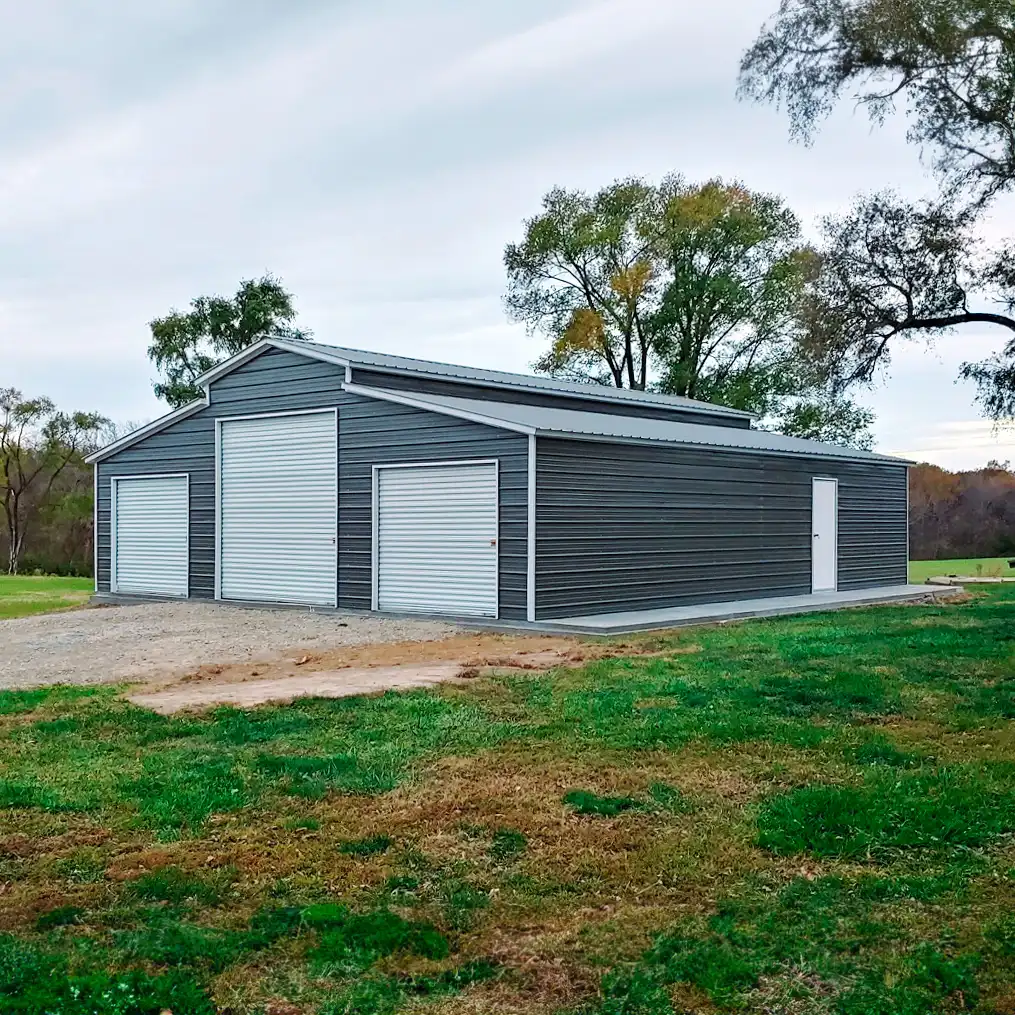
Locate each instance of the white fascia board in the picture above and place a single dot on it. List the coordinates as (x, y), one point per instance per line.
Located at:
(442, 410)
(148, 429)
(309, 349)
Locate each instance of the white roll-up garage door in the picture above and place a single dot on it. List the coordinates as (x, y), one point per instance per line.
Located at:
(278, 509)
(150, 527)
(436, 532)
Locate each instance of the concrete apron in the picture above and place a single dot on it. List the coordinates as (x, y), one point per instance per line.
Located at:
(607, 624)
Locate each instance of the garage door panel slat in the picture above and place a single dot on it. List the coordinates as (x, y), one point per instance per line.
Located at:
(279, 509)
(151, 536)
(437, 530)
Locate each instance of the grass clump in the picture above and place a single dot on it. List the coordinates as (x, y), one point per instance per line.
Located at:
(959, 806)
(314, 777)
(34, 982)
(350, 941)
(178, 790)
(369, 846)
(583, 801)
(506, 844)
(176, 886)
(61, 916)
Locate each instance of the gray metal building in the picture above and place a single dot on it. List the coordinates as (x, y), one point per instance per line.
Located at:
(330, 477)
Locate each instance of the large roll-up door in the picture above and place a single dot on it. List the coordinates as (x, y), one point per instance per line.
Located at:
(437, 539)
(151, 523)
(278, 509)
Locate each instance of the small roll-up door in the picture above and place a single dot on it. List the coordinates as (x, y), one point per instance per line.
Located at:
(151, 523)
(437, 539)
(278, 510)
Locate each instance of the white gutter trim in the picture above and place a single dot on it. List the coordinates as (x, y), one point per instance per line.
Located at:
(147, 430)
(309, 349)
(421, 403)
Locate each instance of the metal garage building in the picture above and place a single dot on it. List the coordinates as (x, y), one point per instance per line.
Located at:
(329, 477)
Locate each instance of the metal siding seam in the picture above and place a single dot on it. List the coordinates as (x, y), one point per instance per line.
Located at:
(530, 565)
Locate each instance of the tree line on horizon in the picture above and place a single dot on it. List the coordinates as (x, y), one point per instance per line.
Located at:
(706, 289)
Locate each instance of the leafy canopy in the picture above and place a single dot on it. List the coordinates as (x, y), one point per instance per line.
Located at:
(952, 62)
(186, 345)
(692, 288)
(889, 269)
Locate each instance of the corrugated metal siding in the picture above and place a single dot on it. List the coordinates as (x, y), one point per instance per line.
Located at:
(627, 527)
(369, 432)
(279, 511)
(437, 539)
(435, 386)
(373, 432)
(151, 535)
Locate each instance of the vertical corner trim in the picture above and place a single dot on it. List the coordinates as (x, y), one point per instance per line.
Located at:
(218, 508)
(94, 526)
(374, 542)
(530, 575)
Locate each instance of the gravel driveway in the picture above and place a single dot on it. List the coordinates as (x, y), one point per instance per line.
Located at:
(115, 643)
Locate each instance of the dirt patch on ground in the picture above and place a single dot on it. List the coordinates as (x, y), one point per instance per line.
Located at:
(368, 669)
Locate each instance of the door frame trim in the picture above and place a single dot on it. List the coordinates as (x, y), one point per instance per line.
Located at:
(219, 420)
(375, 515)
(114, 482)
(835, 542)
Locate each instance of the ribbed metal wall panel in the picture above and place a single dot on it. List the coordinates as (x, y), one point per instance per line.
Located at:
(437, 531)
(152, 525)
(370, 432)
(456, 389)
(279, 509)
(628, 527)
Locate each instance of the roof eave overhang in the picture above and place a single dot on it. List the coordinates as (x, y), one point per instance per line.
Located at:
(148, 429)
(871, 459)
(702, 408)
(399, 398)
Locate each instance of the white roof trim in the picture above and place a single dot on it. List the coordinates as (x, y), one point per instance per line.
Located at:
(148, 429)
(399, 398)
(309, 349)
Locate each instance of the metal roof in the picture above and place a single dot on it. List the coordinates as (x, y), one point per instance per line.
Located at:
(545, 421)
(448, 371)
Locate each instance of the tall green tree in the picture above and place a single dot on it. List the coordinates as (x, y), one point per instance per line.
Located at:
(950, 62)
(186, 344)
(584, 275)
(894, 270)
(689, 288)
(37, 444)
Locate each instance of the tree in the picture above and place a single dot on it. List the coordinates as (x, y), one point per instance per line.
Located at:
(894, 270)
(697, 283)
(186, 345)
(584, 275)
(37, 443)
(951, 61)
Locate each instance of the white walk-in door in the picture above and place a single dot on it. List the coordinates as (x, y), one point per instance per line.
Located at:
(436, 538)
(278, 509)
(150, 544)
(824, 535)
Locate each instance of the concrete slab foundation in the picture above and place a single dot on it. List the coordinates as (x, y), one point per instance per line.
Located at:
(712, 613)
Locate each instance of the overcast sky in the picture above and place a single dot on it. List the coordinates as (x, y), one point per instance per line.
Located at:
(377, 156)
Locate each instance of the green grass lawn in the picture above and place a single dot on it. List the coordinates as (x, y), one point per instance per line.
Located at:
(987, 567)
(803, 815)
(21, 595)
